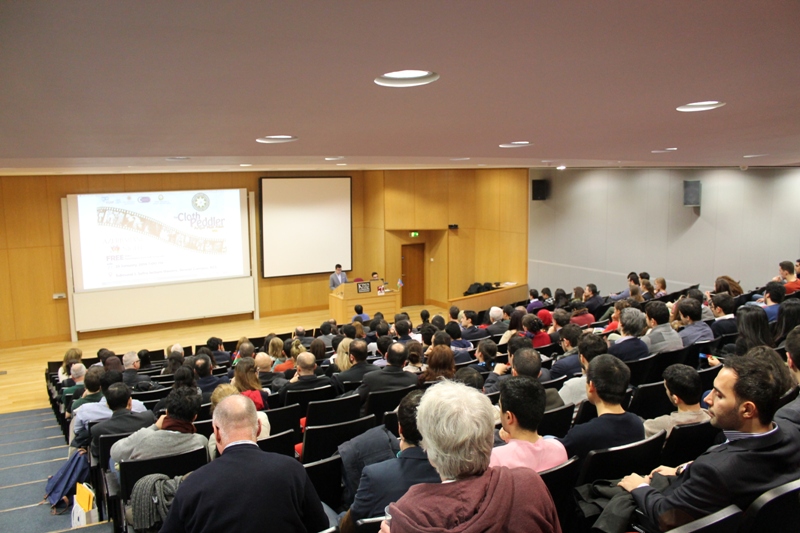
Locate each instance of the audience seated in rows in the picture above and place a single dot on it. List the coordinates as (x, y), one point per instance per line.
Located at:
(359, 368)
(789, 414)
(684, 389)
(629, 347)
(661, 337)
(694, 329)
(392, 376)
(123, 420)
(569, 363)
(722, 305)
(305, 378)
(220, 393)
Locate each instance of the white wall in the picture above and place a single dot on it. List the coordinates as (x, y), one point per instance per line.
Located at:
(600, 224)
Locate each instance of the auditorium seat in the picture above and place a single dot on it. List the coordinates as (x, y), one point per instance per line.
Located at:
(614, 463)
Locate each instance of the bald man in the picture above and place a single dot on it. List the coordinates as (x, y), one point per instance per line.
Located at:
(305, 378)
(292, 505)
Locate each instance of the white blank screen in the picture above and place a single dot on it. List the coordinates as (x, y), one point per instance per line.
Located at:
(305, 225)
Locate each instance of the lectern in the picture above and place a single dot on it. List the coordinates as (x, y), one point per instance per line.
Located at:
(369, 294)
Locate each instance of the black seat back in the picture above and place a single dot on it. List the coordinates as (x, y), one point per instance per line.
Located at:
(775, 510)
(555, 383)
(105, 444)
(326, 476)
(174, 465)
(640, 369)
(556, 422)
(650, 400)
(614, 463)
(687, 442)
(381, 401)
(282, 443)
(391, 423)
(662, 361)
(320, 442)
(302, 397)
(204, 427)
(586, 411)
(325, 412)
(285, 418)
(559, 481)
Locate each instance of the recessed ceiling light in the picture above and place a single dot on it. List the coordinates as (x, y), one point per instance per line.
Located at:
(670, 149)
(177, 158)
(341, 164)
(515, 144)
(338, 157)
(407, 78)
(751, 156)
(700, 106)
(245, 165)
(459, 159)
(275, 139)
(561, 167)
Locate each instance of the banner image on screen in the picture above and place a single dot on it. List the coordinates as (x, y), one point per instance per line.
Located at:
(305, 225)
(133, 239)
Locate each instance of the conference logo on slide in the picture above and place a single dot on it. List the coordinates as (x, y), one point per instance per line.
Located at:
(201, 201)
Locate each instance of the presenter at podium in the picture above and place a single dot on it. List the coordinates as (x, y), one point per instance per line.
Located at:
(337, 278)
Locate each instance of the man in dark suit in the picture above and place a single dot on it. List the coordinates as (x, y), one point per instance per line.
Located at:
(497, 327)
(130, 376)
(386, 482)
(525, 362)
(469, 331)
(292, 505)
(118, 398)
(630, 347)
(724, 323)
(592, 298)
(756, 457)
(358, 356)
(305, 378)
(392, 376)
(206, 381)
(221, 357)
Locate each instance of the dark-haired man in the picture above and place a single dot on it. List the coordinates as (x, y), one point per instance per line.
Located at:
(526, 362)
(661, 337)
(358, 357)
(206, 381)
(359, 309)
(337, 278)
(97, 411)
(592, 298)
(724, 322)
(220, 356)
(325, 333)
(607, 380)
(694, 329)
(403, 328)
(633, 279)
(589, 346)
(757, 456)
(684, 389)
(773, 296)
(522, 404)
(469, 330)
(568, 364)
(172, 434)
(789, 414)
(787, 276)
(386, 482)
(392, 376)
(123, 420)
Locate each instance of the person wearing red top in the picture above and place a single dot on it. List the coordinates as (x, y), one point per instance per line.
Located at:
(788, 274)
(534, 329)
(618, 307)
(581, 315)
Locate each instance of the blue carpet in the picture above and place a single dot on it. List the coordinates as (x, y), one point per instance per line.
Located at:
(31, 449)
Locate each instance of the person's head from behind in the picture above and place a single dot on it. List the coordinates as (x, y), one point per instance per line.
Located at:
(438, 322)
(214, 343)
(442, 338)
(221, 391)
(495, 314)
(722, 304)
(619, 306)
(683, 384)
(359, 309)
(746, 394)
(245, 375)
(486, 351)
(570, 336)
(407, 417)
(306, 364)
(527, 362)
(317, 348)
(184, 377)
(174, 362)
(397, 355)
(425, 316)
(753, 326)
(263, 362)
(607, 379)
(113, 364)
(325, 328)
(415, 352)
(183, 404)
(561, 318)
(515, 322)
(118, 396)
(775, 292)
(632, 322)
(358, 351)
(144, 359)
(384, 343)
(518, 343)
(522, 402)
(441, 362)
(453, 311)
(456, 423)
(77, 372)
(402, 328)
(589, 347)
(532, 324)
(235, 419)
(349, 331)
(786, 268)
(427, 331)
(91, 380)
(246, 349)
(690, 310)
(202, 366)
(470, 377)
(108, 378)
(454, 330)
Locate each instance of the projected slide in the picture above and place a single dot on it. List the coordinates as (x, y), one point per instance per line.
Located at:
(133, 239)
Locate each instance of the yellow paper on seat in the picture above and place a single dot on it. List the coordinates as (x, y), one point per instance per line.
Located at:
(84, 497)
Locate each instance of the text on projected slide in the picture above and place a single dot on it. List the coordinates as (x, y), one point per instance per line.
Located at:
(144, 238)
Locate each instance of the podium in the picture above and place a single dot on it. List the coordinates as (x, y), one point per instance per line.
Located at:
(346, 296)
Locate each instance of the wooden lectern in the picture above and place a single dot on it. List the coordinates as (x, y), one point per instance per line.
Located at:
(346, 296)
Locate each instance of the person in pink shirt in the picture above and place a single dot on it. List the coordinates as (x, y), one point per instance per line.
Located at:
(522, 401)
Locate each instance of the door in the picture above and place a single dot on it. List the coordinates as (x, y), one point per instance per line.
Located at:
(413, 274)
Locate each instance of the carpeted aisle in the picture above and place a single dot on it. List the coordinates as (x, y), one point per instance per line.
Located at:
(31, 449)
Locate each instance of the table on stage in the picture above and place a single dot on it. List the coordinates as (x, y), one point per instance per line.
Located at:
(346, 296)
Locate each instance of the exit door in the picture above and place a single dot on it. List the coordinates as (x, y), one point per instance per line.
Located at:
(413, 274)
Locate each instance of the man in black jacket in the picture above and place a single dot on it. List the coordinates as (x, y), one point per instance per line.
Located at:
(118, 397)
(358, 356)
(392, 376)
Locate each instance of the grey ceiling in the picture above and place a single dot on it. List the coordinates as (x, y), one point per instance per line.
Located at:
(109, 85)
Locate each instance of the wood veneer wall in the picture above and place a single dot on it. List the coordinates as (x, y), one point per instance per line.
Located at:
(490, 207)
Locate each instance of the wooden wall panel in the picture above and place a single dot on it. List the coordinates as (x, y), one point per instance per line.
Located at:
(27, 224)
(105, 183)
(487, 192)
(35, 312)
(513, 200)
(373, 252)
(357, 198)
(3, 240)
(461, 261)
(399, 199)
(430, 199)
(7, 325)
(61, 307)
(463, 201)
(515, 254)
(489, 253)
(374, 199)
(437, 269)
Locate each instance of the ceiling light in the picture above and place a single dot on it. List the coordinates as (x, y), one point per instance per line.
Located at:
(245, 165)
(338, 157)
(407, 78)
(700, 106)
(177, 158)
(515, 144)
(275, 139)
(751, 156)
(561, 167)
(459, 159)
(670, 149)
(341, 164)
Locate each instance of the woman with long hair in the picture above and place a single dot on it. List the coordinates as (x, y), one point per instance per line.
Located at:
(648, 291)
(560, 300)
(414, 363)
(275, 351)
(788, 319)
(729, 285)
(441, 364)
(753, 326)
(636, 294)
(660, 287)
(174, 362)
(72, 356)
(343, 355)
(245, 379)
(514, 326)
(577, 294)
(317, 348)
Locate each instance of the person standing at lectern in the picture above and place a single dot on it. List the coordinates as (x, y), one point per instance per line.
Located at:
(337, 278)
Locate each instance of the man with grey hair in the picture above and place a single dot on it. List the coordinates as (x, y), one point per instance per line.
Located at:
(76, 372)
(456, 423)
(130, 376)
(244, 470)
(629, 347)
(497, 327)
